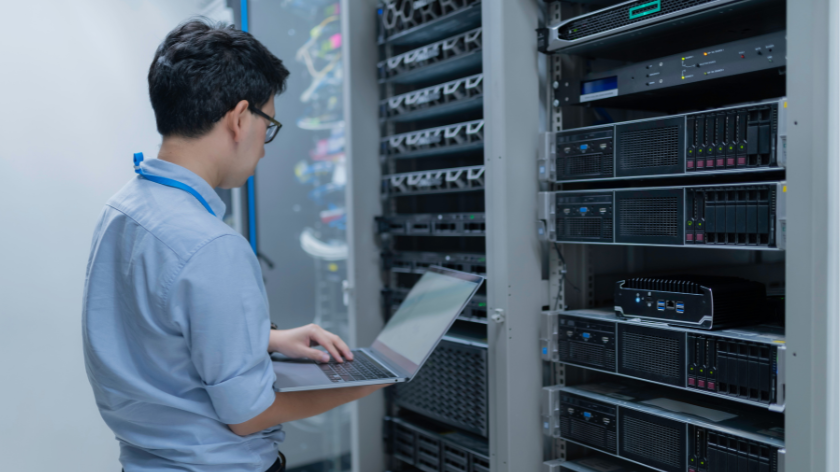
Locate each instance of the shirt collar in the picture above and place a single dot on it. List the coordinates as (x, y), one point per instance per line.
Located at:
(188, 177)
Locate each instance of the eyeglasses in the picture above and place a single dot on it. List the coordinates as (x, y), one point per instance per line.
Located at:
(273, 125)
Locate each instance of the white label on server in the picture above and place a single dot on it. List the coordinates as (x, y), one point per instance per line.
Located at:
(599, 95)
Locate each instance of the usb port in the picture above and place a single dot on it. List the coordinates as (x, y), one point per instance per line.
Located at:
(660, 305)
(680, 307)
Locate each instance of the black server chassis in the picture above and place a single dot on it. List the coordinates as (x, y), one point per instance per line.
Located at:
(741, 216)
(744, 365)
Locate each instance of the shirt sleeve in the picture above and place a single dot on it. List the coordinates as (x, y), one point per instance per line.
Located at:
(221, 299)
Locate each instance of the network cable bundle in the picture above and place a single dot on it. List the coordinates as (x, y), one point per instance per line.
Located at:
(432, 192)
(667, 130)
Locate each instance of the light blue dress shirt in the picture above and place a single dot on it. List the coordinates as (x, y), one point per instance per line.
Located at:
(176, 325)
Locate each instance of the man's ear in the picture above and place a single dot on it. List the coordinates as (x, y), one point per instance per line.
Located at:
(237, 119)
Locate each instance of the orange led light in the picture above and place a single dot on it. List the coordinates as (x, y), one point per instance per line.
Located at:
(705, 54)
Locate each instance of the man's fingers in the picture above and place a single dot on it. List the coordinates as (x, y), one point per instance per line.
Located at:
(323, 338)
(316, 355)
(340, 344)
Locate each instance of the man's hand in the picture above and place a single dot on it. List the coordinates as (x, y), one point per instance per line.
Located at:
(298, 343)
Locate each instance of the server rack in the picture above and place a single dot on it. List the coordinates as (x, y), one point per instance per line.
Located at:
(587, 167)
(432, 193)
(577, 272)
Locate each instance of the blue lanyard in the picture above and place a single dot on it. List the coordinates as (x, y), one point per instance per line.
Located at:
(138, 158)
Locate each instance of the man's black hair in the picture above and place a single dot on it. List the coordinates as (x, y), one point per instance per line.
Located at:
(202, 70)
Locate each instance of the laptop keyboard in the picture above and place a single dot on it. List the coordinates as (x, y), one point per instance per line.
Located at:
(361, 367)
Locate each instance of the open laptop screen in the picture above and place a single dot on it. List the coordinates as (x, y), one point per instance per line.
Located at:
(425, 315)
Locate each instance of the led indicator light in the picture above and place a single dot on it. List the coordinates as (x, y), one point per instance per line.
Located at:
(585, 335)
(587, 414)
(583, 209)
(705, 54)
(584, 147)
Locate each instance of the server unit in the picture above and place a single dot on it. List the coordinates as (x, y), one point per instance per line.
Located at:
(601, 463)
(413, 23)
(431, 448)
(705, 302)
(635, 29)
(439, 141)
(444, 224)
(738, 139)
(746, 365)
(663, 431)
(694, 78)
(457, 96)
(725, 216)
(417, 262)
(451, 387)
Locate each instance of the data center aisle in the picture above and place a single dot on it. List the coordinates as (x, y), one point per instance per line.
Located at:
(665, 166)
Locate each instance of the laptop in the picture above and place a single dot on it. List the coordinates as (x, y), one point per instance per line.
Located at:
(402, 347)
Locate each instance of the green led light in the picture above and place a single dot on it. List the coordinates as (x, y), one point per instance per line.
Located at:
(472, 217)
(482, 304)
(690, 223)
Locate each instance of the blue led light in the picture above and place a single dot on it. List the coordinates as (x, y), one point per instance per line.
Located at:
(584, 209)
(584, 147)
(585, 335)
(638, 300)
(587, 414)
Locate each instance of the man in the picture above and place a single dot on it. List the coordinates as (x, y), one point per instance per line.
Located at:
(175, 319)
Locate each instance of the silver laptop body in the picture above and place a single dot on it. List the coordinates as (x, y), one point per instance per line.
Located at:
(403, 345)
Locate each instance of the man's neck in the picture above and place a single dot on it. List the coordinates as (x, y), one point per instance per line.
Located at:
(196, 155)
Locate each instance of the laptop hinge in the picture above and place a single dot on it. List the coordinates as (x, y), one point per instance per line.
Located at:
(399, 371)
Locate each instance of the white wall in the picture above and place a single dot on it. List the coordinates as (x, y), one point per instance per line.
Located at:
(73, 108)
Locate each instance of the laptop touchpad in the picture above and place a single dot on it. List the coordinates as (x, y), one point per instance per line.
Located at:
(292, 373)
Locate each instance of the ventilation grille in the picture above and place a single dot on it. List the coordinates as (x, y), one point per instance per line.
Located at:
(663, 285)
(587, 433)
(649, 216)
(584, 165)
(655, 442)
(651, 354)
(619, 16)
(589, 354)
(451, 387)
(585, 227)
(649, 148)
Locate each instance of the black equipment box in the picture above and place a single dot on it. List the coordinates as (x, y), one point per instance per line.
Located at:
(705, 302)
